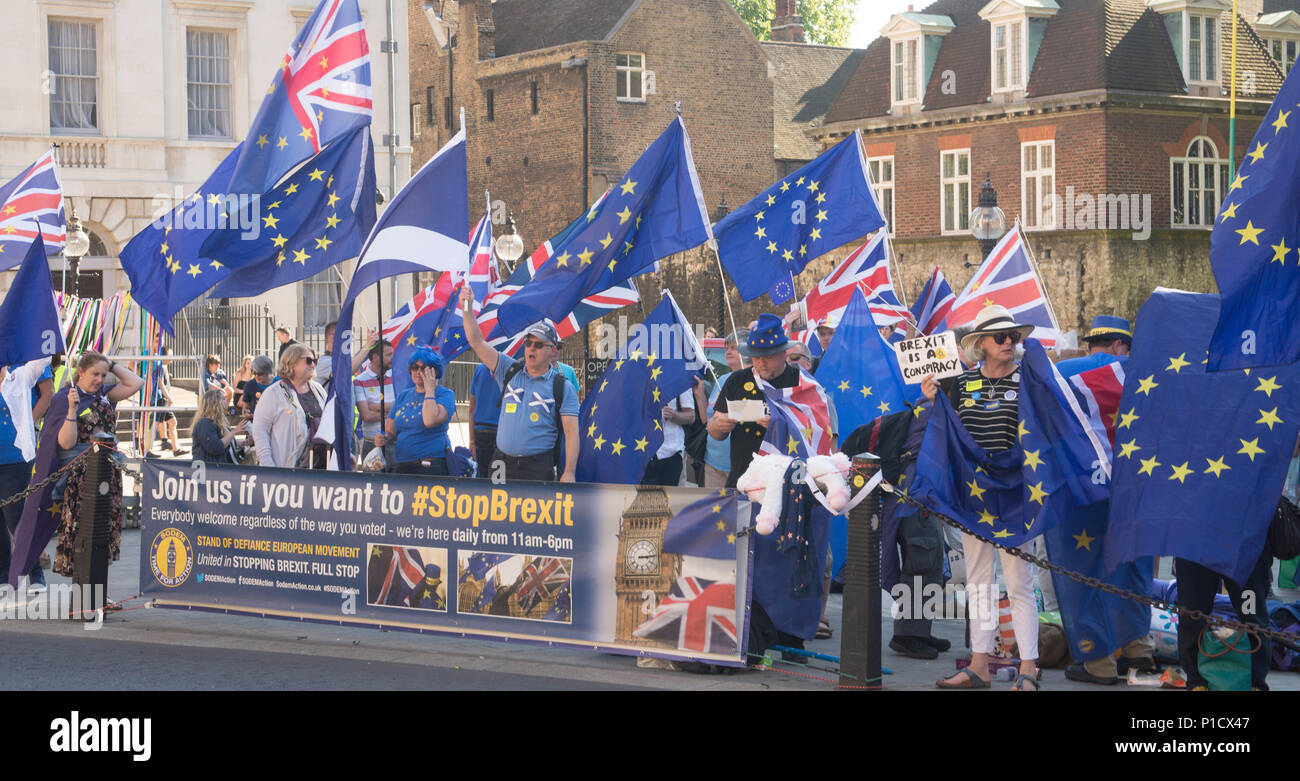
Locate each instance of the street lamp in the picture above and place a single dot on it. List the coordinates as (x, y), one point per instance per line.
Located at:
(987, 222)
(510, 245)
(75, 248)
(722, 211)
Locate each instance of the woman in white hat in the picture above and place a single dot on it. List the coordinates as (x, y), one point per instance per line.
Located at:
(986, 402)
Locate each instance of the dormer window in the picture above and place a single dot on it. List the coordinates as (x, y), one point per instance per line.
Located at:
(1016, 28)
(1193, 27)
(1281, 34)
(914, 41)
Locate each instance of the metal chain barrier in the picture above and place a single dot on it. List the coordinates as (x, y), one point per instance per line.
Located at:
(1285, 638)
(54, 476)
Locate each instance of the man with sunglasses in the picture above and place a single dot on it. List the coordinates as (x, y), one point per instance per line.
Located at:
(539, 414)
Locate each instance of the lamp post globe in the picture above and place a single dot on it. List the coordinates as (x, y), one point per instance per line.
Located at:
(988, 223)
(509, 245)
(75, 247)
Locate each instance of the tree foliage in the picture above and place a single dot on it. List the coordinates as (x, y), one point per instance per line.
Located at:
(824, 21)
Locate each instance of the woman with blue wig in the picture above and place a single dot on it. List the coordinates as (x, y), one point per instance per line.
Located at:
(419, 418)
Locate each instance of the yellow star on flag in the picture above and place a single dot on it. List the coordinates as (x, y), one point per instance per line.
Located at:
(585, 256)
(759, 217)
(1176, 364)
(628, 187)
(785, 186)
(214, 199)
(1148, 465)
(641, 443)
(1279, 252)
(270, 221)
(1250, 448)
(1129, 448)
(279, 241)
(815, 235)
(598, 441)
(812, 186)
(787, 254)
(194, 270)
(591, 430)
(1268, 385)
(300, 257)
(771, 199)
(1270, 417)
(1021, 431)
(792, 446)
(624, 215)
(306, 134)
(975, 490)
(316, 175)
(1000, 533)
(865, 391)
(1257, 153)
(293, 188)
(282, 143)
(605, 242)
(1280, 122)
(1229, 211)
(333, 199)
(1082, 540)
(654, 373)
(821, 215)
(1249, 233)
(884, 407)
(261, 141)
(771, 247)
(323, 243)
(761, 232)
(617, 446)
(1128, 418)
(1216, 466)
(1237, 183)
(987, 517)
(844, 385)
(1146, 386)
(1032, 460)
(1180, 472)
(1036, 492)
(333, 221)
(563, 260)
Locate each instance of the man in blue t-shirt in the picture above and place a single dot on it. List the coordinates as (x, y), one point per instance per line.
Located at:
(538, 406)
(484, 409)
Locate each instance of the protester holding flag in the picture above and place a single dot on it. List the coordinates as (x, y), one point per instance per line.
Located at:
(289, 413)
(366, 392)
(539, 415)
(986, 402)
(418, 420)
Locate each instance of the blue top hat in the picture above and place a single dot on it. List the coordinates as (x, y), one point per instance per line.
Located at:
(1109, 327)
(766, 338)
(432, 571)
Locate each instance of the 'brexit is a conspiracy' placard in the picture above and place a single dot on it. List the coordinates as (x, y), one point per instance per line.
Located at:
(936, 354)
(648, 570)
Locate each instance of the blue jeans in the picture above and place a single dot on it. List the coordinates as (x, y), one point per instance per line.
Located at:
(13, 479)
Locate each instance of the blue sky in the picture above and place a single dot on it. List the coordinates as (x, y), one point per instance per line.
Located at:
(872, 15)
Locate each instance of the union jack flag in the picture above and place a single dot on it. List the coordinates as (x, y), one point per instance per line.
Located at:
(430, 299)
(808, 338)
(697, 615)
(1101, 389)
(931, 308)
(799, 419)
(29, 202)
(321, 91)
(404, 572)
(540, 579)
(866, 268)
(1006, 277)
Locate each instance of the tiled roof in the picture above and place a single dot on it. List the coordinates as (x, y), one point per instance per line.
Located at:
(807, 78)
(526, 25)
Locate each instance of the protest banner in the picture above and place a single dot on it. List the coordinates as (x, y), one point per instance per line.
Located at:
(628, 569)
(935, 354)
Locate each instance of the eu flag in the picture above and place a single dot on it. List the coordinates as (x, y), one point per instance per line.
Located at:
(706, 527)
(823, 205)
(1014, 495)
(164, 262)
(29, 323)
(1201, 456)
(316, 218)
(621, 421)
(320, 92)
(656, 210)
(860, 371)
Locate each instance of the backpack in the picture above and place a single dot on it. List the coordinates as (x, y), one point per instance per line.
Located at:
(557, 391)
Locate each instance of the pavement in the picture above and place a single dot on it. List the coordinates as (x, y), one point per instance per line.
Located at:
(156, 648)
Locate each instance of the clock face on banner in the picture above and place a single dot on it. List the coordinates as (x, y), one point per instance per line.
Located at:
(642, 557)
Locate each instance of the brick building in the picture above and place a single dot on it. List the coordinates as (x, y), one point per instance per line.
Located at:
(1065, 106)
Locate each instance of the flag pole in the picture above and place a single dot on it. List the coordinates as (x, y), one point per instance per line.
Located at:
(1033, 262)
(722, 278)
(1232, 96)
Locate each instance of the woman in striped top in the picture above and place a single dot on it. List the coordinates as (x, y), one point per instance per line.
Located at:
(986, 400)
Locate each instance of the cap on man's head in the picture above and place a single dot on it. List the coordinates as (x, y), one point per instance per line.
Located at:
(826, 322)
(1107, 328)
(544, 331)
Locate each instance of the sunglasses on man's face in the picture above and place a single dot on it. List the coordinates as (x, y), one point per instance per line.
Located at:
(310, 361)
(533, 344)
(1002, 338)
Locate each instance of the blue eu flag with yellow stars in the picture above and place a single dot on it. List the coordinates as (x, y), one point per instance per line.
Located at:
(316, 218)
(706, 527)
(656, 210)
(621, 420)
(29, 323)
(860, 372)
(1255, 246)
(1058, 463)
(1200, 456)
(164, 262)
(823, 205)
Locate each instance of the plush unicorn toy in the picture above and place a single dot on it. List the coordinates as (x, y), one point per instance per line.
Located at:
(762, 482)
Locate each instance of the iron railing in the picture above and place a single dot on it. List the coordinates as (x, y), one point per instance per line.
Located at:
(227, 330)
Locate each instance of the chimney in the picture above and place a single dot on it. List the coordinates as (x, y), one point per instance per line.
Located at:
(787, 25)
(487, 29)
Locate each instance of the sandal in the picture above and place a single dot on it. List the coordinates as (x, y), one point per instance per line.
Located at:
(973, 681)
(1019, 685)
(824, 631)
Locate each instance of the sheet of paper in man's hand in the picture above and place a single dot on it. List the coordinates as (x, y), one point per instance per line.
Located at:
(747, 410)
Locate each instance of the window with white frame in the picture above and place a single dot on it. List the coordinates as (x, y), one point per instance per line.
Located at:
(74, 63)
(882, 179)
(322, 297)
(1202, 48)
(1197, 185)
(1038, 184)
(630, 71)
(1283, 52)
(208, 83)
(954, 190)
(905, 66)
(1008, 56)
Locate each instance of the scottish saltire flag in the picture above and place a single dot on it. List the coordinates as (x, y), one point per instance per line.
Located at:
(1096, 623)
(656, 210)
(931, 308)
(1014, 495)
(621, 420)
(1201, 456)
(541, 578)
(1253, 247)
(316, 218)
(706, 527)
(865, 269)
(31, 204)
(320, 92)
(423, 229)
(164, 262)
(697, 615)
(823, 205)
(860, 372)
(29, 321)
(799, 419)
(1006, 277)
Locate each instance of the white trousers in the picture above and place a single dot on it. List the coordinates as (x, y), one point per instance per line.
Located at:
(982, 597)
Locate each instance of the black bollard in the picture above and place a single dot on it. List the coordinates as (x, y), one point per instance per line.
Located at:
(860, 636)
(90, 545)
